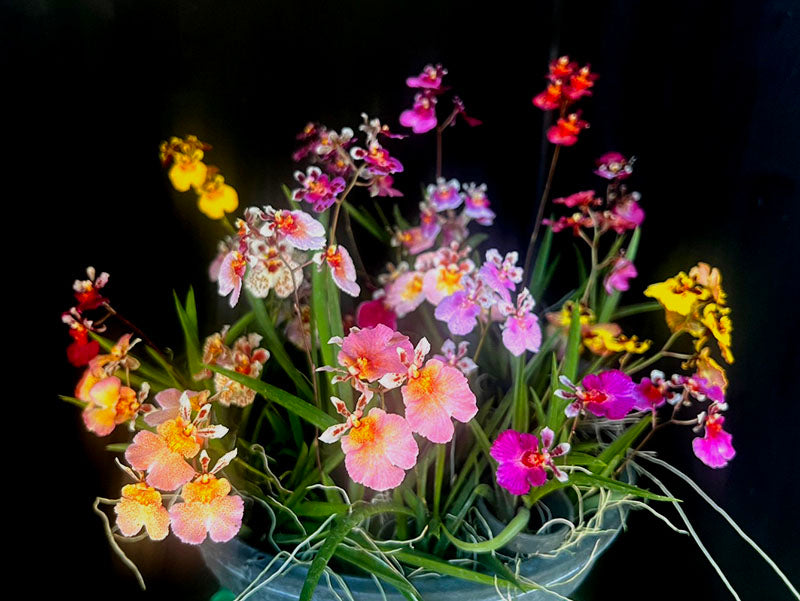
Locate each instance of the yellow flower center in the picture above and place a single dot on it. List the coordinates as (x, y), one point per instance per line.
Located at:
(180, 437)
(363, 430)
(141, 493)
(413, 288)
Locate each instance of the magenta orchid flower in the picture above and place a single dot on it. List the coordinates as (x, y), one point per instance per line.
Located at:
(522, 463)
(377, 159)
(700, 388)
(626, 214)
(622, 270)
(583, 200)
(430, 78)
(376, 311)
(501, 274)
(457, 357)
(378, 448)
(462, 308)
(715, 448)
(434, 392)
(608, 394)
(476, 204)
(613, 165)
(231, 275)
(651, 393)
(421, 117)
(343, 271)
(565, 131)
(297, 228)
(429, 221)
(444, 195)
(317, 188)
(521, 329)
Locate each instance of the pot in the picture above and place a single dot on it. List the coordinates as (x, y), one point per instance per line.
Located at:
(236, 564)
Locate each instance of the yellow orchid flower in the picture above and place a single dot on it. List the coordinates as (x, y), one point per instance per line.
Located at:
(215, 197)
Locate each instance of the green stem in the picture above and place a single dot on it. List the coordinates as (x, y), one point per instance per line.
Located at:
(540, 214)
(640, 365)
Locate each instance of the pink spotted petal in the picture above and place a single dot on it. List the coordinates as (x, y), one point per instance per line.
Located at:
(225, 518)
(372, 469)
(189, 521)
(169, 401)
(146, 448)
(401, 448)
(715, 451)
(460, 400)
(169, 471)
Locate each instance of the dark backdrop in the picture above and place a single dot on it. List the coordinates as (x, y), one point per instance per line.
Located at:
(703, 93)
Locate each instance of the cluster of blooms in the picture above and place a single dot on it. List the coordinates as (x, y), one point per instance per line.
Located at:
(619, 212)
(335, 158)
(380, 446)
(245, 358)
(421, 117)
(158, 459)
(87, 294)
(187, 170)
(696, 304)
(566, 84)
(266, 254)
(601, 339)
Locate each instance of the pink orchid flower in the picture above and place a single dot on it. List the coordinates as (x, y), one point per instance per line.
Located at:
(421, 117)
(522, 463)
(140, 506)
(622, 270)
(406, 293)
(371, 353)
(608, 394)
(376, 311)
(434, 393)
(715, 448)
(163, 455)
(444, 195)
(379, 447)
(343, 271)
(377, 159)
(613, 165)
(521, 329)
(231, 274)
(414, 239)
(462, 309)
(111, 404)
(457, 358)
(317, 188)
(208, 508)
(169, 405)
(298, 228)
(626, 214)
(381, 185)
(476, 204)
(430, 78)
(247, 359)
(583, 200)
(501, 274)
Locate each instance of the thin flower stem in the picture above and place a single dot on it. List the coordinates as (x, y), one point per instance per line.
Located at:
(439, 132)
(484, 332)
(595, 268)
(339, 203)
(540, 214)
(639, 365)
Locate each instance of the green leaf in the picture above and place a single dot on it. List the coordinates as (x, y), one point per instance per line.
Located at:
(508, 533)
(434, 564)
(190, 337)
(191, 309)
(342, 525)
(147, 371)
(582, 479)
(239, 328)
(614, 452)
(288, 194)
(573, 344)
(373, 565)
(537, 284)
(636, 309)
(298, 406)
(475, 240)
(72, 400)
(399, 219)
(612, 300)
(521, 418)
(367, 222)
(168, 369)
(117, 447)
(277, 348)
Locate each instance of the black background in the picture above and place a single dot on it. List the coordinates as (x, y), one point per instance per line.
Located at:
(705, 94)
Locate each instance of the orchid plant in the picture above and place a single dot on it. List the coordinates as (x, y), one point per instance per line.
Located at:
(335, 410)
